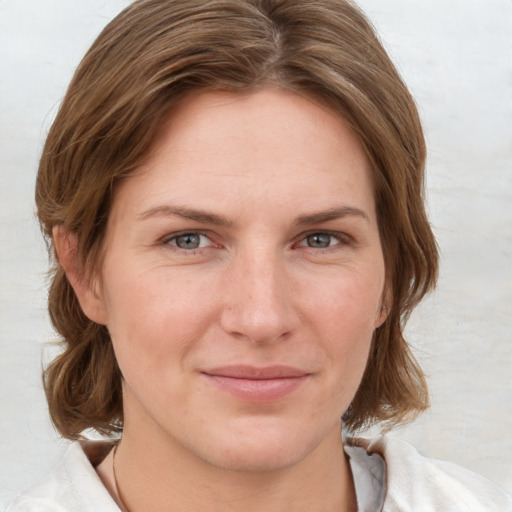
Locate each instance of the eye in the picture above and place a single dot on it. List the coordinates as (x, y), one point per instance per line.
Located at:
(321, 240)
(188, 241)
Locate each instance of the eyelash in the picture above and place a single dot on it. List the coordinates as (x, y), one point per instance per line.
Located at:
(342, 239)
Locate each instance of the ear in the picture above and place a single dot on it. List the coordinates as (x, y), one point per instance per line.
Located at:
(385, 307)
(86, 290)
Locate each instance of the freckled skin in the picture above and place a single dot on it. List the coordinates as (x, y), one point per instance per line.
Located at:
(255, 290)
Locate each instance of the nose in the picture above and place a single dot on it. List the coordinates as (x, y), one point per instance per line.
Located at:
(258, 300)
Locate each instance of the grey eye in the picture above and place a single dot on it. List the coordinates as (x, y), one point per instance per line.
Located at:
(188, 241)
(319, 240)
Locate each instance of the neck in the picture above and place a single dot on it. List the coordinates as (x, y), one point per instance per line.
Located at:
(153, 474)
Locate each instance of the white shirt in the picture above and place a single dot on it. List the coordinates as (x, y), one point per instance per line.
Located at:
(389, 476)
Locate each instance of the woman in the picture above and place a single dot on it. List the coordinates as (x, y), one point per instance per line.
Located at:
(233, 190)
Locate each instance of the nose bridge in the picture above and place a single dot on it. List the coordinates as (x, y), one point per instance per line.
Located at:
(258, 297)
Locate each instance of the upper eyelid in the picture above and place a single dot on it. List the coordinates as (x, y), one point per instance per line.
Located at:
(177, 234)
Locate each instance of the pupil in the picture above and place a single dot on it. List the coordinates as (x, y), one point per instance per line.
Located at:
(189, 241)
(319, 241)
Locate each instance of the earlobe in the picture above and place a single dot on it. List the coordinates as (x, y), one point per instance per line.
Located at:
(86, 290)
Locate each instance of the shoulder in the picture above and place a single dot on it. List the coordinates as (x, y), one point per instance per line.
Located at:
(26, 503)
(414, 482)
(72, 486)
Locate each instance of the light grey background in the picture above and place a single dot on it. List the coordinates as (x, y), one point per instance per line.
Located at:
(456, 57)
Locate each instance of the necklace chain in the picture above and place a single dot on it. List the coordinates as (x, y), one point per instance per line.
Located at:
(116, 485)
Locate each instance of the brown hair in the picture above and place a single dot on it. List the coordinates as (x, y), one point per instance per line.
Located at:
(141, 65)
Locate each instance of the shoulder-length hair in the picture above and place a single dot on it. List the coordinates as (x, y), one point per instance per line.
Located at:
(141, 65)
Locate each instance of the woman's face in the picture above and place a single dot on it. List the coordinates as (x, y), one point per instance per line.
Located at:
(243, 279)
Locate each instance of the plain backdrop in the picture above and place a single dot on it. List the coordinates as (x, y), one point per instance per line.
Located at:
(456, 57)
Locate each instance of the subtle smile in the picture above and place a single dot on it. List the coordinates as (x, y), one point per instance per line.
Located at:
(257, 384)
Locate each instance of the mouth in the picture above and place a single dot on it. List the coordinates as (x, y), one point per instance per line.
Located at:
(257, 385)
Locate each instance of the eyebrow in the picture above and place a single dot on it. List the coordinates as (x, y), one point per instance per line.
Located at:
(217, 220)
(331, 214)
(185, 213)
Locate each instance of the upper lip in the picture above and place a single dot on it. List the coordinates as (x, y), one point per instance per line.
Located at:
(256, 373)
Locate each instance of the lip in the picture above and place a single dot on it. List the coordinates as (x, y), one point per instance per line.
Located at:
(255, 384)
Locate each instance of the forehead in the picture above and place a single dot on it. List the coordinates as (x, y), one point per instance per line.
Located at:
(273, 115)
(228, 145)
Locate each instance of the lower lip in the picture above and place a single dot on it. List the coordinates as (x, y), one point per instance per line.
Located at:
(257, 390)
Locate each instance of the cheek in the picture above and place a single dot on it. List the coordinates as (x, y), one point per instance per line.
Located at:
(350, 301)
(154, 317)
(345, 313)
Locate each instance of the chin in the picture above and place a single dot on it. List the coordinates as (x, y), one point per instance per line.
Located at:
(258, 460)
(262, 448)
